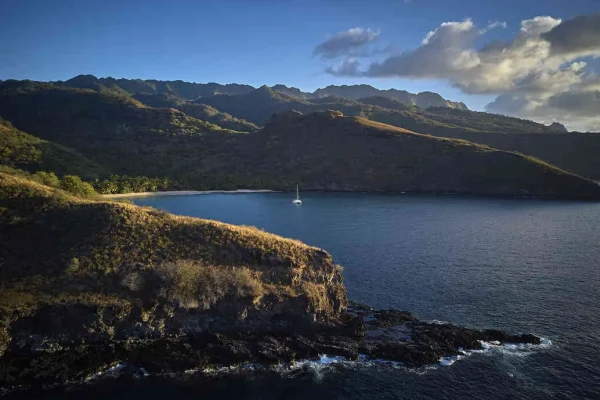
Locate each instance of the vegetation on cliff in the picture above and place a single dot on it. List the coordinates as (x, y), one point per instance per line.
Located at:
(60, 250)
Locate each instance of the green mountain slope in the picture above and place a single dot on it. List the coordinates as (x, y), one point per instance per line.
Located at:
(118, 133)
(200, 111)
(256, 106)
(23, 151)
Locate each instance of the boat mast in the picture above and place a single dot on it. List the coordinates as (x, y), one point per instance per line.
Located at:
(297, 193)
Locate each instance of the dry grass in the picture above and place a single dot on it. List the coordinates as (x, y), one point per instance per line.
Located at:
(193, 285)
(94, 251)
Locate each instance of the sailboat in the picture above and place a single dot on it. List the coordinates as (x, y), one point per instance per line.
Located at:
(297, 199)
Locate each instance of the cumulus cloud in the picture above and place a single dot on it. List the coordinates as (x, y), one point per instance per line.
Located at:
(537, 74)
(579, 35)
(449, 52)
(346, 43)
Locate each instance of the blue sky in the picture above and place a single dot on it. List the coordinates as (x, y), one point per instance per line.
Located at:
(246, 41)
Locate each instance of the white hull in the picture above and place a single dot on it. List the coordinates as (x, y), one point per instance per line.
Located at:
(297, 200)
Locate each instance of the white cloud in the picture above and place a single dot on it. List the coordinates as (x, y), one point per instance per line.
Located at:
(345, 43)
(536, 74)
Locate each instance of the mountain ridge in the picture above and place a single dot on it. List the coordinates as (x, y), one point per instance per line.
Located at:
(193, 90)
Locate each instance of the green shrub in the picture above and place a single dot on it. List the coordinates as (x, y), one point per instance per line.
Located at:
(46, 178)
(74, 185)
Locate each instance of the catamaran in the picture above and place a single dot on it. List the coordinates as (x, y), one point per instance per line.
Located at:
(297, 199)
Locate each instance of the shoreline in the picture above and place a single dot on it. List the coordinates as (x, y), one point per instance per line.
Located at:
(183, 193)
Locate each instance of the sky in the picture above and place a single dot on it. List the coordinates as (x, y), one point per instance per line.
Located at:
(531, 58)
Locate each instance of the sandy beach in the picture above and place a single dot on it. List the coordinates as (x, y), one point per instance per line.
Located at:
(182, 193)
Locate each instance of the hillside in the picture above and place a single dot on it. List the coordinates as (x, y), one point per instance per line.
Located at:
(482, 121)
(23, 151)
(575, 152)
(200, 111)
(256, 106)
(329, 151)
(119, 133)
(356, 92)
(121, 239)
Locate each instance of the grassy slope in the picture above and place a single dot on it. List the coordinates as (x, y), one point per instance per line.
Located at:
(57, 249)
(21, 150)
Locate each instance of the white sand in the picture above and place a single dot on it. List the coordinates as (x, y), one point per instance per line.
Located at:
(181, 193)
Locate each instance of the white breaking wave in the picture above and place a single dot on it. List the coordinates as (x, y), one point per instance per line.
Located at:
(511, 349)
(111, 372)
(326, 363)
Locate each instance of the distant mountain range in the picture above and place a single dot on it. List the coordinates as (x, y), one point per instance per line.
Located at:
(244, 108)
(374, 143)
(195, 91)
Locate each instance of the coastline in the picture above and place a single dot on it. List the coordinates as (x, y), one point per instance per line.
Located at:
(424, 193)
(182, 193)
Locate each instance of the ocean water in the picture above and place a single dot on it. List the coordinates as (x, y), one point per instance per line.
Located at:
(523, 265)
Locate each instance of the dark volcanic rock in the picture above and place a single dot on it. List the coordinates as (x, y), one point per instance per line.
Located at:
(379, 334)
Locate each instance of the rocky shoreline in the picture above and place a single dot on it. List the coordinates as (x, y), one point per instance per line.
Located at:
(373, 334)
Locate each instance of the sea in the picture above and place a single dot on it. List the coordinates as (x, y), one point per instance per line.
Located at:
(520, 264)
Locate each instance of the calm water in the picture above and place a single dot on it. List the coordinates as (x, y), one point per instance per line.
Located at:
(519, 265)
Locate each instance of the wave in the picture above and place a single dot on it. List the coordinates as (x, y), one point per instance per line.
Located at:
(326, 363)
(491, 348)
